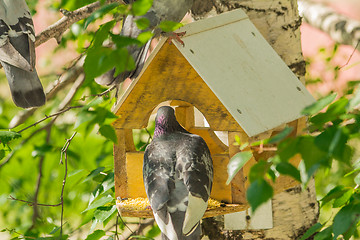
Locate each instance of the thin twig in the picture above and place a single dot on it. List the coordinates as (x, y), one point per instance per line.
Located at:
(31, 203)
(50, 116)
(105, 92)
(351, 55)
(64, 153)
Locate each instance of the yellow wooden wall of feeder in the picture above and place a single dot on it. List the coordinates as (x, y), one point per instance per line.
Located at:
(231, 74)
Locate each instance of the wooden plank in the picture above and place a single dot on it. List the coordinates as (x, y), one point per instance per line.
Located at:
(220, 191)
(134, 166)
(185, 116)
(215, 145)
(256, 86)
(120, 173)
(175, 79)
(237, 184)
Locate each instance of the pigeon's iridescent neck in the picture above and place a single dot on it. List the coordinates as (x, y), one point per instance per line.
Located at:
(165, 125)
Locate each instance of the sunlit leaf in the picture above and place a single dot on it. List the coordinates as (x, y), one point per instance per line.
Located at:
(102, 213)
(319, 105)
(7, 136)
(100, 202)
(140, 7)
(96, 235)
(236, 163)
(142, 23)
(169, 26)
(343, 199)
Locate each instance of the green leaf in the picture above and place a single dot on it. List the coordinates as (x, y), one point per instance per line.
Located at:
(94, 173)
(355, 100)
(169, 26)
(2, 153)
(334, 111)
(343, 199)
(281, 136)
(102, 213)
(286, 168)
(319, 105)
(140, 7)
(345, 219)
(145, 36)
(236, 163)
(96, 235)
(314, 229)
(123, 41)
(7, 136)
(312, 156)
(325, 234)
(142, 23)
(100, 202)
(259, 170)
(333, 141)
(99, 13)
(102, 34)
(258, 193)
(334, 193)
(108, 132)
(153, 232)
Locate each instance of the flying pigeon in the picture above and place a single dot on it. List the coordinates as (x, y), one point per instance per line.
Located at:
(178, 175)
(17, 53)
(168, 10)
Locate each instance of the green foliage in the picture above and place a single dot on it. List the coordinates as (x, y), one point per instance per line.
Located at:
(36, 158)
(334, 132)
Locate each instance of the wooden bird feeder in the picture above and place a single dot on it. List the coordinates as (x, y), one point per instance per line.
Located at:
(237, 81)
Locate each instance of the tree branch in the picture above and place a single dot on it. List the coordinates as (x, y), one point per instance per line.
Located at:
(64, 153)
(57, 29)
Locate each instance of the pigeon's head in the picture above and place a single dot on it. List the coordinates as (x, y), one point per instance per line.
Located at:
(165, 121)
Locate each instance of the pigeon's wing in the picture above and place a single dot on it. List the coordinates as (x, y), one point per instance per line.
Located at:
(158, 185)
(197, 169)
(17, 53)
(15, 22)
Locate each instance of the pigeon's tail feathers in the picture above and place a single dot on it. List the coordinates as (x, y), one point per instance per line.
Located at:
(139, 56)
(166, 226)
(194, 212)
(25, 86)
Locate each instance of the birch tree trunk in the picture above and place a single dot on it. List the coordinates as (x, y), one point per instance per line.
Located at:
(294, 210)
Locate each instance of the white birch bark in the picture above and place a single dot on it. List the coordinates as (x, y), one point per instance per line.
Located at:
(294, 210)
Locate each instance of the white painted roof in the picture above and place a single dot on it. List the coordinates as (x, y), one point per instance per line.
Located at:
(244, 71)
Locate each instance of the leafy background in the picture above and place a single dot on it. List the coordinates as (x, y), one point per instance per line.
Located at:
(33, 160)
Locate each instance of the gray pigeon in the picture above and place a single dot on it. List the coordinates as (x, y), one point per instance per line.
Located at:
(17, 53)
(178, 175)
(168, 10)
